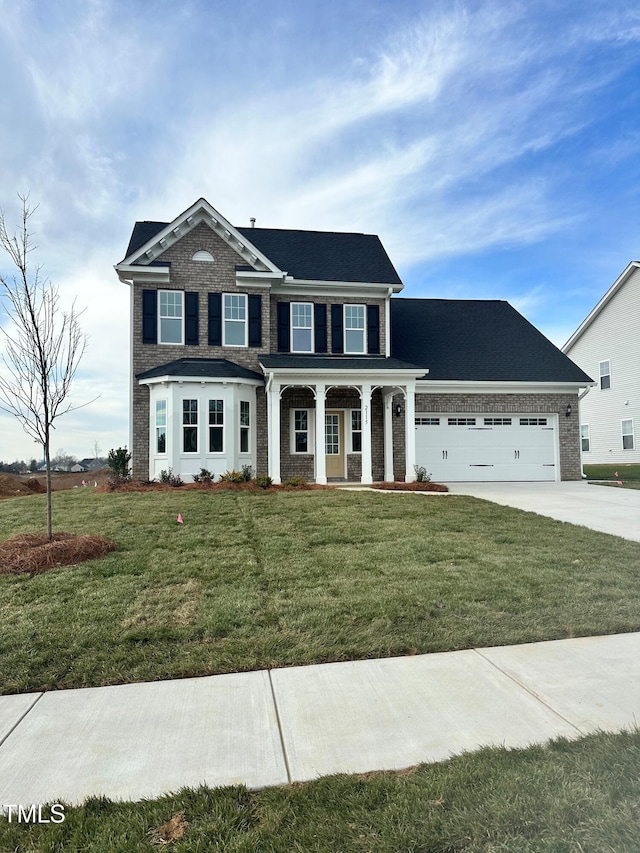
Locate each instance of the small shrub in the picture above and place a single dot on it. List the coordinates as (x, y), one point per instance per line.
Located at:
(117, 480)
(295, 481)
(118, 462)
(247, 473)
(171, 479)
(421, 474)
(263, 481)
(205, 476)
(232, 477)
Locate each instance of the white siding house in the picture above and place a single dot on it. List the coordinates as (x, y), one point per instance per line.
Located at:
(607, 347)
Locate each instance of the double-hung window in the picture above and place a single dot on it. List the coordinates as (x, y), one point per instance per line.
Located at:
(605, 375)
(245, 425)
(189, 426)
(235, 320)
(354, 329)
(585, 438)
(627, 434)
(300, 432)
(216, 426)
(301, 327)
(171, 317)
(161, 426)
(356, 431)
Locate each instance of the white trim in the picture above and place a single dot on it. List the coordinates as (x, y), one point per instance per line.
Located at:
(309, 430)
(600, 374)
(362, 351)
(443, 386)
(587, 437)
(311, 328)
(160, 318)
(200, 380)
(226, 320)
(317, 287)
(632, 433)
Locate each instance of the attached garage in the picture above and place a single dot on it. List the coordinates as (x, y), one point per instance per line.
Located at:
(472, 447)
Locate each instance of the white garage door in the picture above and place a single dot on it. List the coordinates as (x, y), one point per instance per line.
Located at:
(463, 447)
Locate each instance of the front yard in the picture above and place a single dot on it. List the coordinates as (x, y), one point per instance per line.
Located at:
(262, 580)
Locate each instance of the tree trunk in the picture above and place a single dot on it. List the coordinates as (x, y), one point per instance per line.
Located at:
(49, 508)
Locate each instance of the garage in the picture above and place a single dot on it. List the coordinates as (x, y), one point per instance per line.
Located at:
(475, 447)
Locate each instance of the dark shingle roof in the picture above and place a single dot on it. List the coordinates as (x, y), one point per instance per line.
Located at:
(325, 255)
(476, 340)
(334, 362)
(214, 368)
(314, 255)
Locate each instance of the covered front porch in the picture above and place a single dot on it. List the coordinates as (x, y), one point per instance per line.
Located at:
(335, 419)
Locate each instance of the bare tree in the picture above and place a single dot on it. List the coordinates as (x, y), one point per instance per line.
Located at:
(44, 344)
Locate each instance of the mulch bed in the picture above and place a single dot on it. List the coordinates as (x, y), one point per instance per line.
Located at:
(137, 486)
(411, 487)
(32, 553)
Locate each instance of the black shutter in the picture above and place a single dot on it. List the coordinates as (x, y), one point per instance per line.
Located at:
(337, 327)
(192, 317)
(283, 327)
(255, 321)
(320, 317)
(373, 329)
(215, 319)
(149, 316)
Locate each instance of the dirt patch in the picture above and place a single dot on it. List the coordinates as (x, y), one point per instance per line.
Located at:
(11, 486)
(32, 553)
(169, 832)
(411, 487)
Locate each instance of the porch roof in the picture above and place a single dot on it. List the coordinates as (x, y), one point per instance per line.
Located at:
(324, 364)
(215, 368)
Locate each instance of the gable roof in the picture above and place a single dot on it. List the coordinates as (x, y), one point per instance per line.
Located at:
(624, 276)
(476, 340)
(303, 255)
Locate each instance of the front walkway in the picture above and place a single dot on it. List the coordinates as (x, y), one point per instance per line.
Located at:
(608, 509)
(287, 725)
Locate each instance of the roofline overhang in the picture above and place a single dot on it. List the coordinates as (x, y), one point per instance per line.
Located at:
(200, 211)
(306, 375)
(617, 284)
(167, 379)
(129, 273)
(296, 286)
(501, 386)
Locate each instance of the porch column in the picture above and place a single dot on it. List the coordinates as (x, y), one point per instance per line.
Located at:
(365, 403)
(410, 432)
(321, 462)
(273, 431)
(388, 437)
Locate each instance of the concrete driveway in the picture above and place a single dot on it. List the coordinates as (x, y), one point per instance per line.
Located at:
(605, 508)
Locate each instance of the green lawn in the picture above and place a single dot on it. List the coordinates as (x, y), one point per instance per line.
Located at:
(608, 472)
(276, 579)
(579, 797)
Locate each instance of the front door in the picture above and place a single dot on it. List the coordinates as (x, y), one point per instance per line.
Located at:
(334, 444)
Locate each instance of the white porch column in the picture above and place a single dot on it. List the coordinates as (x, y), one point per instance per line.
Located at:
(410, 432)
(365, 403)
(273, 427)
(321, 461)
(388, 437)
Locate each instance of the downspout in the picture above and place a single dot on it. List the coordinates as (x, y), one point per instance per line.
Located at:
(387, 323)
(581, 397)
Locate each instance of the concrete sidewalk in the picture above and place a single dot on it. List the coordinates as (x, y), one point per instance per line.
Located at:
(287, 725)
(607, 509)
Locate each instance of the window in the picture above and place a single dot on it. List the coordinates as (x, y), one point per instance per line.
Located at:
(422, 421)
(216, 426)
(584, 436)
(605, 375)
(161, 426)
(354, 329)
(627, 434)
(461, 421)
(235, 320)
(189, 426)
(356, 431)
(497, 421)
(244, 426)
(533, 421)
(301, 439)
(301, 327)
(171, 317)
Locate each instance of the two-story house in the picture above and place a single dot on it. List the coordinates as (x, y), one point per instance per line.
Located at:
(607, 345)
(289, 351)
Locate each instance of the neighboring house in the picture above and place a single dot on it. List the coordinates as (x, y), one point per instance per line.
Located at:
(90, 463)
(607, 346)
(78, 468)
(288, 351)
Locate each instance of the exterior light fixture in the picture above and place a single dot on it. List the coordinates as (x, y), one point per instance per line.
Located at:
(568, 412)
(398, 410)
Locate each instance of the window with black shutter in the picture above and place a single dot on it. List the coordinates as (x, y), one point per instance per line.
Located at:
(337, 329)
(373, 329)
(192, 319)
(320, 333)
(215, 319)
(149, 316)
(283, 325)
(255, 321)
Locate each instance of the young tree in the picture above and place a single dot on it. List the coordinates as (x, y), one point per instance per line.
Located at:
(44, 344)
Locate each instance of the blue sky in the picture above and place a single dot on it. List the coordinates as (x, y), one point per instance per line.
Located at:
(493, 146)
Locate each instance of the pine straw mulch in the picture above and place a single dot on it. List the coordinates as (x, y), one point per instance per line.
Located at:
(411, 487)
(251, 486)
(32, 553)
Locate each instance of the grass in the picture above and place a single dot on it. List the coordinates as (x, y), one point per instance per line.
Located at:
(260, 580)
(566, 797)
(608, 472)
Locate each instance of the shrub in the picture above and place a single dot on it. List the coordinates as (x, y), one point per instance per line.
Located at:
(247, 473)
(232, 477)
(295, 481)
(170, 478)
(264, 481)
(205, 476)
(421, 474)
(118, 462)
